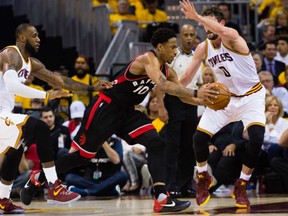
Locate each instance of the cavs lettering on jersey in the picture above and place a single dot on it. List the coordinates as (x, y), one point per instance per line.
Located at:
(236, 70)
(130, 89)
(7, 99)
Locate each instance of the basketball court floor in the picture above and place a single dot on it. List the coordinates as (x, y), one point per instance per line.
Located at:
(142, 206)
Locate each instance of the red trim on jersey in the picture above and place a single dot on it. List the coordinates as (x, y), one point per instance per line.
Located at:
(141, 130)
(96, 105)
(82, 152)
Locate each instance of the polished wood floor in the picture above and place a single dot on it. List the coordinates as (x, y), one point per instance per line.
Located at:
(142, 206)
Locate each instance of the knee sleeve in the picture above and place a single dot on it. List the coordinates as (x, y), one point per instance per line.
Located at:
(200, 144)
(9, 169)
(256, 136)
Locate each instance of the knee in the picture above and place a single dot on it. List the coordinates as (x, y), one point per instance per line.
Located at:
(200, 138)
(256, 134)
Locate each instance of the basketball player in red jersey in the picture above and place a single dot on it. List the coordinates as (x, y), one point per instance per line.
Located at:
(112, 112)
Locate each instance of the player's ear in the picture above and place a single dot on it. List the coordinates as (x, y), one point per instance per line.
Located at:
(159, 46)
(22, 38)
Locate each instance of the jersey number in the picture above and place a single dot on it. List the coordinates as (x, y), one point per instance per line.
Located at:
(141, 90)
(225, 71)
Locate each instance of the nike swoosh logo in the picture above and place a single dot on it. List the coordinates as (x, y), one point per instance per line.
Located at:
(2, 207)
(170, 205)
(55, 193)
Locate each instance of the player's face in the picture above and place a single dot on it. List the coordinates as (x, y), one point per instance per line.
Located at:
(32, 43)
(169, 50)
(210, 35)
(273, 108)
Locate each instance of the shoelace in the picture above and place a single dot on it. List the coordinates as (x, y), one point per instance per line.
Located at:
(241, 191)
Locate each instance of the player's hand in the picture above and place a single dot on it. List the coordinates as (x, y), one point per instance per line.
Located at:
(102, 84)
(163, 114)
(212, 148)
(188, 9)
(59, 94)
(206, 92)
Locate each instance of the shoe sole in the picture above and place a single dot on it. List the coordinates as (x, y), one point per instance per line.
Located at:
(208, 198)
(237, 204)
(49, 201)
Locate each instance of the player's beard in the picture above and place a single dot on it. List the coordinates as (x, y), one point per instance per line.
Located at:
(30, 49)
(83, 74)
(213, 37)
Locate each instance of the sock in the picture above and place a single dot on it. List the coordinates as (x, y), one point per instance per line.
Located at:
(5, 190)
(161, 197)
(202, 169)
(244, 176)
(159, 189)
(50, 174)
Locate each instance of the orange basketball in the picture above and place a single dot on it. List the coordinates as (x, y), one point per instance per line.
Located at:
(223, 98)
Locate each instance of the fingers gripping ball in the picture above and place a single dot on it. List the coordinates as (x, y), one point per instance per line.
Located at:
(222, 99)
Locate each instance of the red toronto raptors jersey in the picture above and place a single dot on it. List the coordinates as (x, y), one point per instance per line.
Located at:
(130, 89)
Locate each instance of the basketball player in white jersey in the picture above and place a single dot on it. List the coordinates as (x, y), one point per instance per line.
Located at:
(15, 67)
(228, 54)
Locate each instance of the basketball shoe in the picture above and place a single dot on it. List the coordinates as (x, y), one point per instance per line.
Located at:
(205, 181)
(240, 194)
(31, 187)
(7, 207)
(58, 194)
(170, 205)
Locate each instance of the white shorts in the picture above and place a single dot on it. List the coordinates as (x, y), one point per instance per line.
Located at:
(250, 109)
(11, 130)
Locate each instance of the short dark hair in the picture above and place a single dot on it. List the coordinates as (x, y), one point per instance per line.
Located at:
(162, 35)
(46, 109)
(21, 28)
(215, 11)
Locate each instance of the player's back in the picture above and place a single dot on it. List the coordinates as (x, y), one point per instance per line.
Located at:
(130, 89)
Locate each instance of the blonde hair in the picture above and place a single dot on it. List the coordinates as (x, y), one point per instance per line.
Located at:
(268, 102)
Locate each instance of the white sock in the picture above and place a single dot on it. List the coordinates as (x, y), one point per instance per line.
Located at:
(5, 190)
(244, 176)
(50, 174)
(202, 169)
(161, 197)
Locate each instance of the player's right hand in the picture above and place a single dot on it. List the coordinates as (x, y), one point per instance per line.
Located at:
(206, 92)
(58, 94)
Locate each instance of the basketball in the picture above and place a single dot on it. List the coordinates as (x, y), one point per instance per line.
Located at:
(223, 98)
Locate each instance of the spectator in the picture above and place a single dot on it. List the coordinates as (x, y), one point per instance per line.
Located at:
(225, 9)
(257, 57)
(283, 6)
(59, 135)
(225, 151)
(267, 34)
(82, 75)
(281, 19)
(122, 14)
(267, 81)
(77, 109)
(282, 50)
(151, 13)
(103, 173)
(270, 64)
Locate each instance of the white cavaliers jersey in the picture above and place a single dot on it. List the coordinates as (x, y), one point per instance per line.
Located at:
(236, 70)
(6, 98)
(180, 63)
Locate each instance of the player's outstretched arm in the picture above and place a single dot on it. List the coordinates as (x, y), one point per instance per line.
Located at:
(39, 71)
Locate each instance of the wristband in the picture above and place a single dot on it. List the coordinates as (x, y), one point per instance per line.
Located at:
(90, 88)
(47, 96)
(195, 93)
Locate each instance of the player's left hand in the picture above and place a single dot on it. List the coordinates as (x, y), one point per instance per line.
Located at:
(229, 150)
(102, 84)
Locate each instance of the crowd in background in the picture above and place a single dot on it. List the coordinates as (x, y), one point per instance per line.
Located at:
(120, 169)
